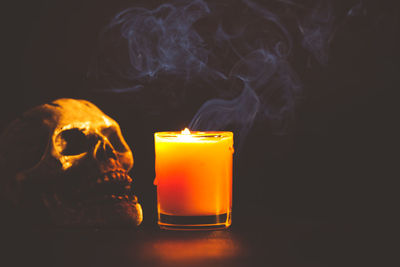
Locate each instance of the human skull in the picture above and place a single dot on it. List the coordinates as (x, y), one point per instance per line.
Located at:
(68, 161)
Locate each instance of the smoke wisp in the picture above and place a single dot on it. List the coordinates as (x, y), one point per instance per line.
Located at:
(242, 49)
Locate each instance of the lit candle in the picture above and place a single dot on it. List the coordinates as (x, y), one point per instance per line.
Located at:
(194, 179)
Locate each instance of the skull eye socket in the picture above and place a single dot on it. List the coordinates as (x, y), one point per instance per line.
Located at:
(112, 135)
(72, 142)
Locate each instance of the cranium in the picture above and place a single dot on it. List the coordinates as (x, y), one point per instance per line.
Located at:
(69, 161)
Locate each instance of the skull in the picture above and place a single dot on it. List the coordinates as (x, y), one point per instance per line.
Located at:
(68, 161)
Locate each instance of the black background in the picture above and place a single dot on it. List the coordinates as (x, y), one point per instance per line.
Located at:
(335, 168)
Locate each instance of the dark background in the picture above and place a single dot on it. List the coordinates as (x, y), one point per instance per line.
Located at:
(328, 178)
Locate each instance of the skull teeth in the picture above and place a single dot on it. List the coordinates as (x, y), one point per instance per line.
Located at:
(116, 176)
(111, 187)
(114, 185)
(126, 197)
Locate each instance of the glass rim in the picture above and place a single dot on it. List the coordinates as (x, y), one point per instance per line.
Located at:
(195, 134)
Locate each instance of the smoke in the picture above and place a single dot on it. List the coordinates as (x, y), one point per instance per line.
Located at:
(154, 42)
(358, 9)
(163, 39)
(269, 90)
(241, 49)
(317, 30)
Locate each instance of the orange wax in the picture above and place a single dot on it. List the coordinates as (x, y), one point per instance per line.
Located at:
(194, 173)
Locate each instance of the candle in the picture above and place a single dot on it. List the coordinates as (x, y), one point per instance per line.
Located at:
(194, 179)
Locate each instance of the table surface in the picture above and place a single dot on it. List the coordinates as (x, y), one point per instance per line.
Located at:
(266, 242)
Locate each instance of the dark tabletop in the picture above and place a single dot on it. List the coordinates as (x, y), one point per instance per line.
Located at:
(251, 241)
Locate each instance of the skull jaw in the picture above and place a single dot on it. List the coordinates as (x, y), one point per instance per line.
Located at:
(101, 200)
(112, 214)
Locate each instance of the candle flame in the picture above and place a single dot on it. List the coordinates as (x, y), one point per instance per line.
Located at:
(186, 131)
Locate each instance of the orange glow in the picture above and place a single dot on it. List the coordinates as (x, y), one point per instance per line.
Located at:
(194, 172)
(193, 249)
(216, 246)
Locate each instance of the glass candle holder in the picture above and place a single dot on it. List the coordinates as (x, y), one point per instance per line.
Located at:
(194, 179)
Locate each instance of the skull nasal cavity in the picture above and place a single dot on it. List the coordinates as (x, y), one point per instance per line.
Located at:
(104, 151)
